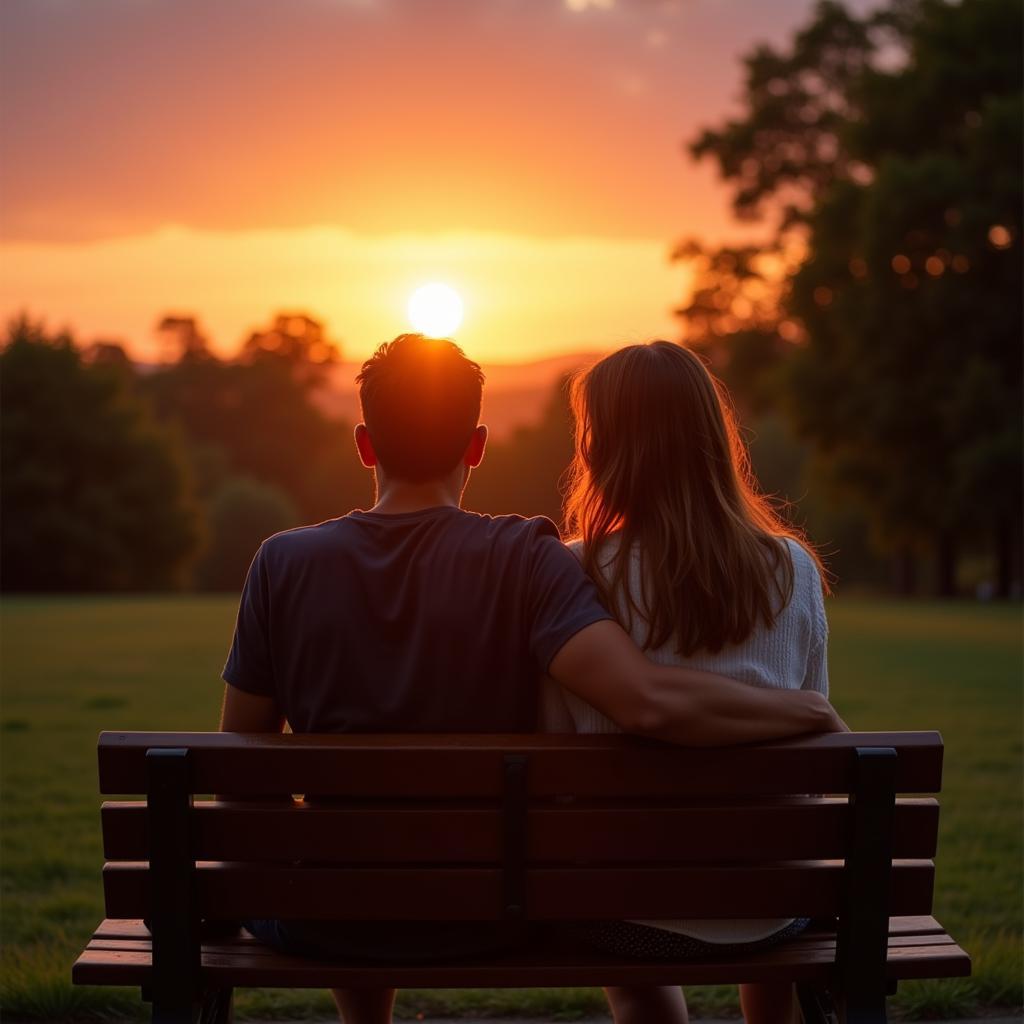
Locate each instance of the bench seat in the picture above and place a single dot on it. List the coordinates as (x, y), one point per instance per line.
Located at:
(119, 954)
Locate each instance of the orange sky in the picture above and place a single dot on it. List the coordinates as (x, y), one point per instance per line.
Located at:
(234, 158)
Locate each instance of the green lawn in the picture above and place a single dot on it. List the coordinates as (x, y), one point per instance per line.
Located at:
(74, 666)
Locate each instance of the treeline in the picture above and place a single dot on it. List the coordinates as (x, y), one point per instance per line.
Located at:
(121, 479)
(117, 477)
(125, 477)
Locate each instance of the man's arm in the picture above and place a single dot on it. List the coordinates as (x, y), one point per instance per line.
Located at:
(243, 712)
(247, 712)
(603, 666)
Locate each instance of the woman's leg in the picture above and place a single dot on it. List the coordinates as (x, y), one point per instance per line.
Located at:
(364, 1005)
(770, 1003)
(647, 1004)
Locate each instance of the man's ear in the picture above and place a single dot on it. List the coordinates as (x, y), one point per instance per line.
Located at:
(367, 456)
(475, 449)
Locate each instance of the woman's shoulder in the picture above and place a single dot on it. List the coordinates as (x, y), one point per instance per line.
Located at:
(808, 592)
(608, 547)
(800, 558)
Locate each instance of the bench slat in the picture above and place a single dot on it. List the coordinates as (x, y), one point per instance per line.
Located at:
(921, 924)
(546, 965)
(468, 766)
(771, 830)
(777, 889)
(253, 947)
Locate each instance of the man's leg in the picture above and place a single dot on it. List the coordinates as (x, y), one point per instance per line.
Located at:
(364, 1005)
(771, 1003)
(647, 1004)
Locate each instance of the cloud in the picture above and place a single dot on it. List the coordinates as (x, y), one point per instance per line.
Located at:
(632, 84)
(580, 6)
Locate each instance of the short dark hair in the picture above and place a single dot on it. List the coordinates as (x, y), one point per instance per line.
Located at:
(421, 403)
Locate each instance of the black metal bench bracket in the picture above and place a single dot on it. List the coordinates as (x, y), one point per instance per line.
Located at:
(862, 941)
(174, 922)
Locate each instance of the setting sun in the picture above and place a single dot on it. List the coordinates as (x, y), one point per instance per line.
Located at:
(435, 310)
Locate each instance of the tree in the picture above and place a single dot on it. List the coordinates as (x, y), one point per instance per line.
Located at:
(94, 492)
(242, 514)
(257, 417)
(180, 337)
(733, 319)
(909, 281)
(790, 146)
(297, 340)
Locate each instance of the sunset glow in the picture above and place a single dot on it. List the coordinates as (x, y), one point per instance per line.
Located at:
(529, 297)
(530, 153)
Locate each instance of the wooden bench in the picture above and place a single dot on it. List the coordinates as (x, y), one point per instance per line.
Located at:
(538, 828)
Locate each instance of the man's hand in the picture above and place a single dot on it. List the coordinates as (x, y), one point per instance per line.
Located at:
(838, 725)
(603, 666)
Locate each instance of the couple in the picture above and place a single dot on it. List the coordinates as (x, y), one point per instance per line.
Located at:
(685, 611)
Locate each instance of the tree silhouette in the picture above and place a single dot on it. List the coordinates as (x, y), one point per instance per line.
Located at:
(242, 514)
(94, 492)
(734, 319)
(904, 189)
(256, 416)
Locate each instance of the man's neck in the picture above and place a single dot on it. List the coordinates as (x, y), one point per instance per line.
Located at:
(394, 497)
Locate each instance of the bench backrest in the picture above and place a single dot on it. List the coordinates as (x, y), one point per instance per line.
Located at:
(476, 827)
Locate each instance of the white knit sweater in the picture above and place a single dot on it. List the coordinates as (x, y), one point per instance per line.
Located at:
(791, 655)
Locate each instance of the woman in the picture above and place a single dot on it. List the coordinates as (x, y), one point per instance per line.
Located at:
(701, 571)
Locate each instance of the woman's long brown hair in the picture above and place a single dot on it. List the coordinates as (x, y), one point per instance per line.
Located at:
(659, 462)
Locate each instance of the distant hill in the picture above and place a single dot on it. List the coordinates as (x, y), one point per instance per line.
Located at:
(515, 394)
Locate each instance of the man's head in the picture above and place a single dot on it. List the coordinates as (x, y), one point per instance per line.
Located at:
(421, 405)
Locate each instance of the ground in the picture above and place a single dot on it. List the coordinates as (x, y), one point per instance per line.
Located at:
(74, 666)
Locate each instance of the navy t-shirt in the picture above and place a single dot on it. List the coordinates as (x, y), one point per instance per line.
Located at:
(439, 620)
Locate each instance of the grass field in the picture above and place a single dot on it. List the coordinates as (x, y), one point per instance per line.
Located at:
(74, 666)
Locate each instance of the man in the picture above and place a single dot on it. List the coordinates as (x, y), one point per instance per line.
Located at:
(418, 616)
